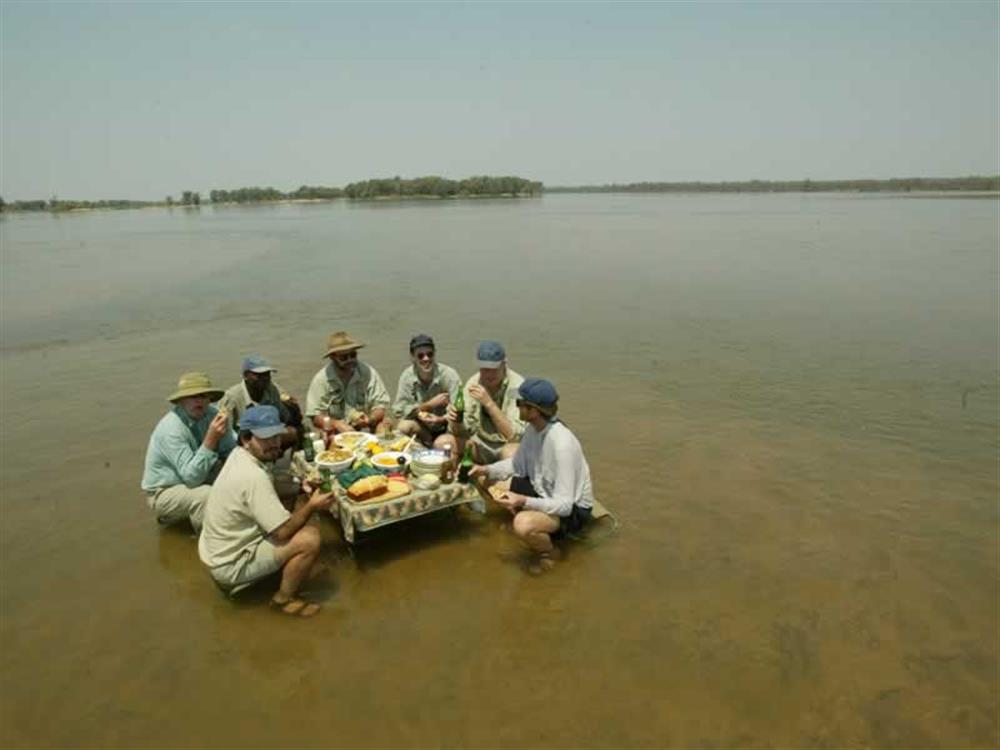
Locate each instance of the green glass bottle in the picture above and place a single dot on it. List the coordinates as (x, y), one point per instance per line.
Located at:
(466, 466)
(326, 485)
(306, 444)
(460, 404)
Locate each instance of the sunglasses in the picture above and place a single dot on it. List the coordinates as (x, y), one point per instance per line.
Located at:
(425, 355)
(345, 357)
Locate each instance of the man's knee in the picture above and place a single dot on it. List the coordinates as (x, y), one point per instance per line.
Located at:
(530, 522)
(407, 427)
(307, 539)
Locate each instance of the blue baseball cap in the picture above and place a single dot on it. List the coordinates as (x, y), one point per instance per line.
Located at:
(491, 354)
(262, 421)
(256, 363)
(539, 391)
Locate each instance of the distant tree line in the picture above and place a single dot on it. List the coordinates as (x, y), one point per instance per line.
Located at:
(441, 187)
(58, 206)
(266, 194)
(896, 185)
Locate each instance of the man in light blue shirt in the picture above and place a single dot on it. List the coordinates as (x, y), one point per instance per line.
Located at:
(184, 450)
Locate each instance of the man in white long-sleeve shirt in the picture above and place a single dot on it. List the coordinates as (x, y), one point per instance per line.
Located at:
(550, 491)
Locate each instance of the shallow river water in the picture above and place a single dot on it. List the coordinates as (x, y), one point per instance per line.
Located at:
(789, 402)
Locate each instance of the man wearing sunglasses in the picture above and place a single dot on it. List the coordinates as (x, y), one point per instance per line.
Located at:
(424, 392)
(550, 492)
(347, 394)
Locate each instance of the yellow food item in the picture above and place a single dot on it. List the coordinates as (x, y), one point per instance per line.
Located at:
(375, 448)
(367, 487)
(385, 461)
(333, 456)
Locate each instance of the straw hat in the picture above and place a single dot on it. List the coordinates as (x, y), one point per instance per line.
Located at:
(341, 341)
(195, 384)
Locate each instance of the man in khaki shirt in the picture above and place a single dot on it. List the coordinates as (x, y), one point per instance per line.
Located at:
(491, 422)
(347, 394)
(258, 389)
(247, 534)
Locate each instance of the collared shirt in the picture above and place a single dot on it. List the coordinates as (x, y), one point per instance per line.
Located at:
(478, 422)
(175, 454)
(237, 400)
(364, 392)
(553, 460)
(412, 391)
(242, 509)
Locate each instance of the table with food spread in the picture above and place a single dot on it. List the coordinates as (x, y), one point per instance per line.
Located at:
(388, 492)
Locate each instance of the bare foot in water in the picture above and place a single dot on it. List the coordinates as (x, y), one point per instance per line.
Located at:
(295, 607)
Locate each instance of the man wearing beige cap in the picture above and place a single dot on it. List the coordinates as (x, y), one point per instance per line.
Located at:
(347, 394)
(186, 447)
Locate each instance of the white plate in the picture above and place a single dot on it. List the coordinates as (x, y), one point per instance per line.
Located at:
(353, 440)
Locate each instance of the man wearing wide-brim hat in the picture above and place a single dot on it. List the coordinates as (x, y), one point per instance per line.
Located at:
(185, 449)
(550, 491)
(347, 394)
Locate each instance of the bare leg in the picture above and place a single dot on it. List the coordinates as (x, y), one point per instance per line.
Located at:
(299, 555)
(534, 527)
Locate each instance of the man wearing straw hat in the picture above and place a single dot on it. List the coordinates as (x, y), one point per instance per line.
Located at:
(550, 492)
(184, 450)
(347, 394)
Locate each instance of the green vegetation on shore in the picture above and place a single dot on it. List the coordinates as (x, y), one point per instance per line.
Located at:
(895, 185)
(389, 188)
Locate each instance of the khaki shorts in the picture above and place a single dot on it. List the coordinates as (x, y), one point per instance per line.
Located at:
(489, 452)
(252, 565)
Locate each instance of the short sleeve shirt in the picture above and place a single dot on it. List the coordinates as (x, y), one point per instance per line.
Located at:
(479, 423)
(242, 509)
(328, 394)
(412, 391)
(237, 400)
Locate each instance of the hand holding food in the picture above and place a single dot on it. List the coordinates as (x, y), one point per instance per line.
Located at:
(480, 394)
(437, 402)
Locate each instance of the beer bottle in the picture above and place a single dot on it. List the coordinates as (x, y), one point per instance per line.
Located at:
(466, 466)
(308, 452)
(460, 404)
(326, 485)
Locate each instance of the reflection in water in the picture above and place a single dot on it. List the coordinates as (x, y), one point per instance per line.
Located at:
(797, 433)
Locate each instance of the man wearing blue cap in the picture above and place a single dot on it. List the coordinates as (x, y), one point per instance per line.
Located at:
(491, 422)
(422, 396)
(257, 388)
(550, 492)
(247, 533)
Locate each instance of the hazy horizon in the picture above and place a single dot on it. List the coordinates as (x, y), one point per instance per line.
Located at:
(140, 101)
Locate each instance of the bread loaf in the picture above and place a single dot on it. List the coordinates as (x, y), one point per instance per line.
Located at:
(367, 487)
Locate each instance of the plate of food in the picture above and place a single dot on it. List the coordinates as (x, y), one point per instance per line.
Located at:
(353, 441)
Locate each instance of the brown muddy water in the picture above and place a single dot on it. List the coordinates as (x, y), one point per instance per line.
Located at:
(790, 403)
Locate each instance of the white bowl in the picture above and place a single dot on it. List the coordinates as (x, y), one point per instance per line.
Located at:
(335, 466)
(428, 462)
(388, 461)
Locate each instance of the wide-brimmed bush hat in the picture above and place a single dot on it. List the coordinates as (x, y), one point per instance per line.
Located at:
(195, 384)
(341, 341)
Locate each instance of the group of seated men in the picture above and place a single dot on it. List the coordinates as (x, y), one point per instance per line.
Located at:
(212, 465)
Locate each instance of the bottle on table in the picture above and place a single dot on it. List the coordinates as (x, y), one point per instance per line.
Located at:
(460, 404)
(308, 450)
(448, 472)
(466, 466)
(326, 485)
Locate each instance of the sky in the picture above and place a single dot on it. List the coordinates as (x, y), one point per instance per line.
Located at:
(144, 100)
